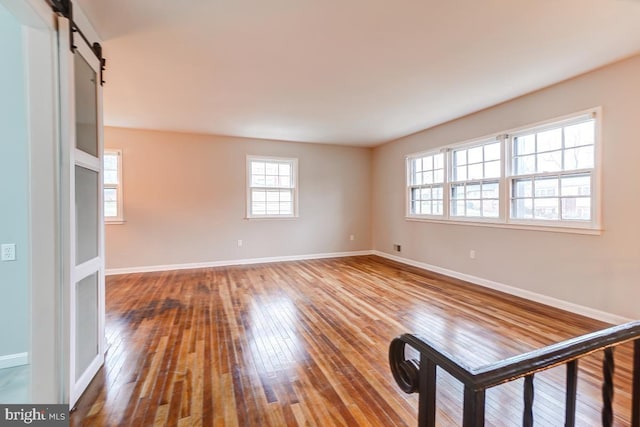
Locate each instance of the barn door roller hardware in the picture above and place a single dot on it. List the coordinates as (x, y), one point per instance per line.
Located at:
(65, 8)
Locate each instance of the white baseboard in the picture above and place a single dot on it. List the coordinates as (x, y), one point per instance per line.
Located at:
(12, 360)
(533, 296)
(226, 263)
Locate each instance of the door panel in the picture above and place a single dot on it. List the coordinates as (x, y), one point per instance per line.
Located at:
(83, 217)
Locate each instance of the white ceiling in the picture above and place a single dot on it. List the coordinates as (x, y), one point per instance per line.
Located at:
(356, 72)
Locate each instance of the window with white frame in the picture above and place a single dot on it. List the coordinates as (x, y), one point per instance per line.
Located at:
(552, 171)
(542, 175)
(426, 184)
(272, 187)
(475, 180)
(113, 211)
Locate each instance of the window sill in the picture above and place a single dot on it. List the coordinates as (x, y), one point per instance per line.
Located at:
(513, 226)
(253, 218)
(114, 221)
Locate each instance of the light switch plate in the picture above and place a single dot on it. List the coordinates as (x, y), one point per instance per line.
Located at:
(8, 252)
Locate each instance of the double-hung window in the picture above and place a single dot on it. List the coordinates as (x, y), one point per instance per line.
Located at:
(553, 172)
(475, 180)
(543, 175)
(272, 187)
(426, 184)
(113, 203)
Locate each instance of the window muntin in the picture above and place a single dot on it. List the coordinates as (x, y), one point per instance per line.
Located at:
(272, 187)
(544, 175)
(552, 171)
(112, 186)
(426, 184)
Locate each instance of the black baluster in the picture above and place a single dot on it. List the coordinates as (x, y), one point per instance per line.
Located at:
(473, 408)
(427, 397)
(635, 399)
(572, 388)
(607, 388)
(527, 416)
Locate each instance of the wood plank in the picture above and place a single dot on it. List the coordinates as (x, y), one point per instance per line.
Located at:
(305, 343)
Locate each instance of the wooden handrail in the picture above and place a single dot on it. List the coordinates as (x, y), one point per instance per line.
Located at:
(409, 377)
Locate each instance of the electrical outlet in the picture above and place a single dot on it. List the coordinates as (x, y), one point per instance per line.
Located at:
(472, 254)
(239, 243)
(8, 251)
(352, 237)
(397, 248)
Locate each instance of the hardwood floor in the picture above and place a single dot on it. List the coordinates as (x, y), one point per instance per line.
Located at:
(305, 343)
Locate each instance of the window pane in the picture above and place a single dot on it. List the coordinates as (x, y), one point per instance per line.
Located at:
(576, 208)
(524, 145)
(579, 158)
(550, 140)
(580, 134)
(437, 208)
(110, 161)
(257, 168)
(457, 191)
(437, 193)
(491, 190)
(438, 176)
(110, 209)
(258, 208)
(285, 208)
(473, 191)
(285, 196)
(438, 161)
(457, 208)
(475, 155)
(460, 157)
(418, 179)
(460, 173)
(111, 177)
(547, 187)
(522, 208)
(490, 208)
(271, 168)
(474, 208)
(522, 188)
(427, 163)
(258, 180)
(284, 169)
(546, 208)
(273, 196)
(577, 185)
(271, 181)
(492, 169)
(425, 207)
(417, 164)
(273, 208)
(475, 171)
(258, 195)
(425, 194)
(524, 165)
(427, 177)
(550, 162)
(492, 151)
(284, 181)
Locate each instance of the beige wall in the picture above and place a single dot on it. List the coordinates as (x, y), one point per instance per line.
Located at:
(184, 200)
(600, 272)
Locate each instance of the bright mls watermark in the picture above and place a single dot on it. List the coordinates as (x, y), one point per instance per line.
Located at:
(34, 415)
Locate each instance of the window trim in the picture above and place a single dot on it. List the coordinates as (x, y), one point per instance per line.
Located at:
(594, 226)
(294, 188)
(118, 187)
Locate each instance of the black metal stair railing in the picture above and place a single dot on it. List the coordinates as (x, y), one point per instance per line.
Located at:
(415, 376)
